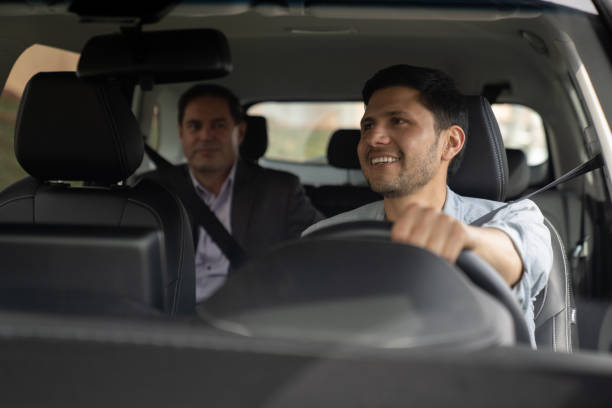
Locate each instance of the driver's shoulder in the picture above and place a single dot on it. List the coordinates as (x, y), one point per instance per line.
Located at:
(371, 211)
(468, 209)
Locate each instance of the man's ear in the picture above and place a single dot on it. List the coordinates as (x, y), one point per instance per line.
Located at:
(455, 139)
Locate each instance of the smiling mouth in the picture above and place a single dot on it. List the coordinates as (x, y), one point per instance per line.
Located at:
(383, 160)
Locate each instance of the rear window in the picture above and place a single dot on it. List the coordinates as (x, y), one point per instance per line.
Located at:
(522, 128)
(36, 58)
(300, 131)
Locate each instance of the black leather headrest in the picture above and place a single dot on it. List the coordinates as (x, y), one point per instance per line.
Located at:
(255, 141)
(342, 149)
(484, 171)
(68, 129)
(518, 173)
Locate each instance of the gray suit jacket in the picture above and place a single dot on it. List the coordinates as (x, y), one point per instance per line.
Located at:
(268, 206)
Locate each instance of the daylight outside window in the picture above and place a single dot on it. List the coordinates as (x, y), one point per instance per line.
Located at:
(300, 131)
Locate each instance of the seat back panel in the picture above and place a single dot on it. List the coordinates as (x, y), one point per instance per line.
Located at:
(127, 263)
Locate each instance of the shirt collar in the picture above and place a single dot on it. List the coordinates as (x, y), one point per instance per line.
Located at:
(451, 204)
(227, 184)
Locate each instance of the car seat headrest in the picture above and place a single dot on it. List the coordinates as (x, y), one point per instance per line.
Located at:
(342, 149)
(518, 173)
(484, 170)
(255, 141)
(68, 129)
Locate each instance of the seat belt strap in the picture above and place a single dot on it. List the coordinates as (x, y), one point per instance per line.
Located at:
(594, 163)
(173, 179)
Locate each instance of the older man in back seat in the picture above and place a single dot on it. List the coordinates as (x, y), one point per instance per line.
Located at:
(412, 136)
(259, 207)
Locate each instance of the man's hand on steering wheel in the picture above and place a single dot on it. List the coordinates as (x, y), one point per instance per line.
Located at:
(434, 230)
(446, 236)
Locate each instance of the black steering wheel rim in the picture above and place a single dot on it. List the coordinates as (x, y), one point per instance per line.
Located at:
(475, 268)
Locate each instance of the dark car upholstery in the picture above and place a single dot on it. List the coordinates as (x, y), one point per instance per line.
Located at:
(518, 173)
(255, 141)
(71, 130)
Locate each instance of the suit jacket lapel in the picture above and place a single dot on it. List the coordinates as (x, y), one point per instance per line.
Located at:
(242, 201)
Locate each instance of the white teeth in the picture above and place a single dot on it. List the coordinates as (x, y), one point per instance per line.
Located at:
(384, 159)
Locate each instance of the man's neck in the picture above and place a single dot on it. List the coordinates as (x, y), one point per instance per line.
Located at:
(211, 181)
(431, 195)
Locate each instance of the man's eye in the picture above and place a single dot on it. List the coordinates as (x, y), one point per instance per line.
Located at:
(398, 121)
(219, 125)
(367, 126)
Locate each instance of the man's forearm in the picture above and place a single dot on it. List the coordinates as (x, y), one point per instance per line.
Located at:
(495, 247)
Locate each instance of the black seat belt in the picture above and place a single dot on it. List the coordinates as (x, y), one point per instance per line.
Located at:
(594, 163)
(173, 179)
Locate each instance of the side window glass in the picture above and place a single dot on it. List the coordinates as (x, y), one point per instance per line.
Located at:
(153, 138)
(522, 128)
(34, 59)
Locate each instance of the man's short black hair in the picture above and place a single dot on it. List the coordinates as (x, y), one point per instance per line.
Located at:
(437, 92)
(217, 91)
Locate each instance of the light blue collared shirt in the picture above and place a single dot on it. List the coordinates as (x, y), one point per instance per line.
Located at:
(522, 222)
(211, 266)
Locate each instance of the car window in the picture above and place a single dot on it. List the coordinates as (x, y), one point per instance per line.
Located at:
(299, 133)
(34, 59)
(522, 128)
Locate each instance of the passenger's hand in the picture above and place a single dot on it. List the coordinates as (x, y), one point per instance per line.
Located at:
(434, 230)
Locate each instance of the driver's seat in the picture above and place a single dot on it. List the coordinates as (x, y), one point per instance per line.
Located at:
(555, 317)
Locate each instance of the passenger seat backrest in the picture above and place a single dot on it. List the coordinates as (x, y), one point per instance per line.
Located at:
(484, 173)
(90, 135)
(518, 173)
(92, 270)
(484, 155)
(554, 307)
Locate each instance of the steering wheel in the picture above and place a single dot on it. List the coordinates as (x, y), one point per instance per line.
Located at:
(477, 270)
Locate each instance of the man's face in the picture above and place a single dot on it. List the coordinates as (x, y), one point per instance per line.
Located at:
(209, 135)
(398, 150)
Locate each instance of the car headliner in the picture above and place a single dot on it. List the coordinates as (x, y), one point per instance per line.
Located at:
(300, 53)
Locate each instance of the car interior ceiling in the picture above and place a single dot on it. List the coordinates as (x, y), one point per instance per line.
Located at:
(565, 207)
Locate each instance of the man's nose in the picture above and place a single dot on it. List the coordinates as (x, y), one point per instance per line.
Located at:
(204, 133)
(376, 135)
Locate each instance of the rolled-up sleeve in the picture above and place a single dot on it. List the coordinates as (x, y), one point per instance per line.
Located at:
(524, 224)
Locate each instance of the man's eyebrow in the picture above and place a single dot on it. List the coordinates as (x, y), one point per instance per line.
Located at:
(396, 112)
(389, 113)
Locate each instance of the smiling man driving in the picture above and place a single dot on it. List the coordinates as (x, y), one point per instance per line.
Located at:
(412, 135)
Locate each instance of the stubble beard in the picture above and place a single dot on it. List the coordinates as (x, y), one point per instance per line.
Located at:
(409, 180)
